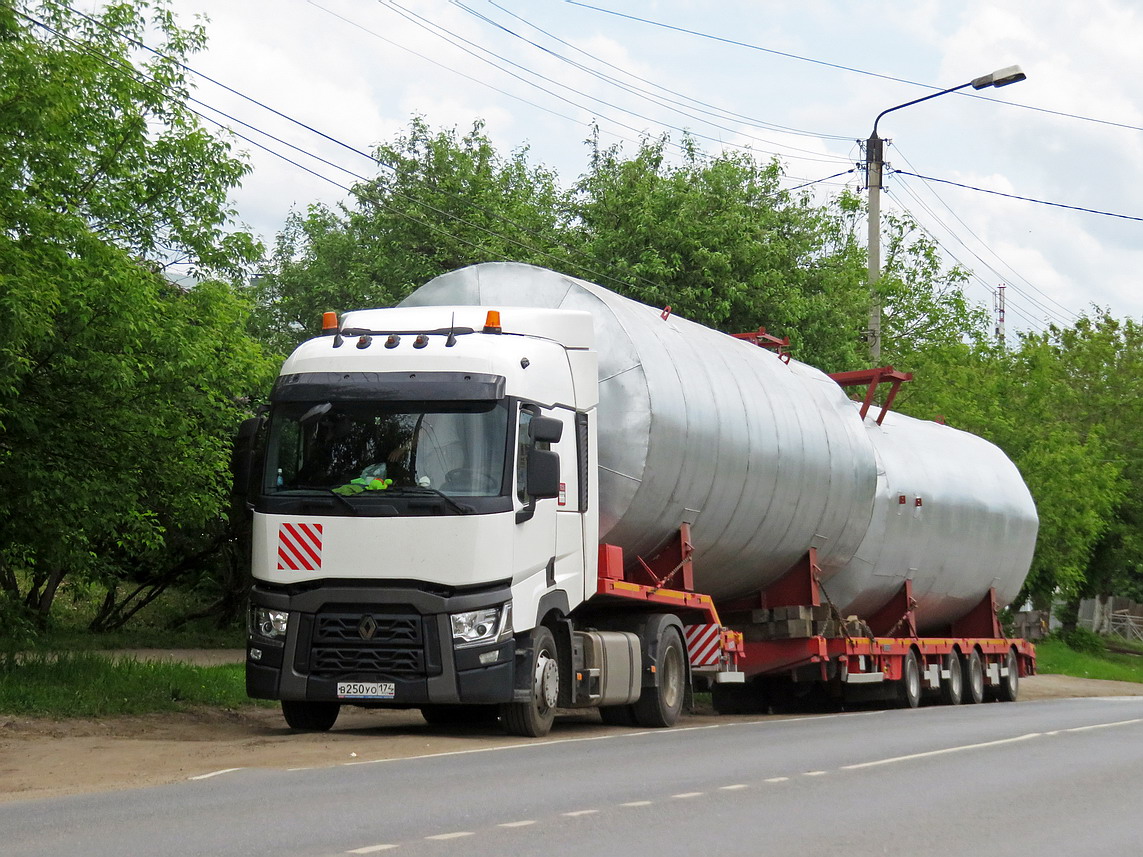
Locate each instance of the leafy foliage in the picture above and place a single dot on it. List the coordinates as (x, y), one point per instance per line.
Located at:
(118, 389)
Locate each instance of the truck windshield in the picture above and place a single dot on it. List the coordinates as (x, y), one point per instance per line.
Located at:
(350, 448)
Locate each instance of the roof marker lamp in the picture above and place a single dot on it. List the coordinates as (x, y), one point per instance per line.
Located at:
(365, 341)
(421, 341)
(393, 341)
(492, 322)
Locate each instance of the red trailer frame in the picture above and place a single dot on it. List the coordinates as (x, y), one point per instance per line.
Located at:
(791, 630)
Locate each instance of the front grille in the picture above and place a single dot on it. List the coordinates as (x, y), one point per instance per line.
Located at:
(380, 628)
(390, 662)
(371, 642)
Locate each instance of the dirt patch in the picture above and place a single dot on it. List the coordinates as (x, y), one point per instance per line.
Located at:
(42, 758)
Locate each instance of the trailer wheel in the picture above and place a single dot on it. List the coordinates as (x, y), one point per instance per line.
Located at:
(909, 688)
(1009, 687)
(533, 719)
(952, 689)
(308, 716)
(660, 706)
(973, 678)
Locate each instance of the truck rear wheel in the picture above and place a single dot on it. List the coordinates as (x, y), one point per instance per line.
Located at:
(973, 678)
(952, 688)
(533, 719)
(909, 689)
(661, 705)
(309, 716)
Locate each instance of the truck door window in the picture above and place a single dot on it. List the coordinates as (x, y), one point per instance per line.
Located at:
(523, 443)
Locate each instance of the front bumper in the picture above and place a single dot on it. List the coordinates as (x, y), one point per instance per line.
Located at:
(397, 635)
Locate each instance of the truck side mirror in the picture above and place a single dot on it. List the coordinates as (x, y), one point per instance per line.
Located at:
(545, 429)
(543, 471)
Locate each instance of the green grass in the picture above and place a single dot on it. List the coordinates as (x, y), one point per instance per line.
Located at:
(1053, 656)
(92, 685)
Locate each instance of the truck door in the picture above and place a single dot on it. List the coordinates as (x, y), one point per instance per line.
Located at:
(536, 491)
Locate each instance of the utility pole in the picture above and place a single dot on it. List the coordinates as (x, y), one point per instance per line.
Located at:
(999, 302)
(874, 165)
(874, 169)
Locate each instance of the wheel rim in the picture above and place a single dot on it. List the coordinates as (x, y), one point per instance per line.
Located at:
(672, 677)
(547, 691)
(956, 679)
(913, 677)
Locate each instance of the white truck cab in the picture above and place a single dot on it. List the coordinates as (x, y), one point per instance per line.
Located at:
(421, 504)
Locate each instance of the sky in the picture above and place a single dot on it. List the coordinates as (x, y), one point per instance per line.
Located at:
(801, 80)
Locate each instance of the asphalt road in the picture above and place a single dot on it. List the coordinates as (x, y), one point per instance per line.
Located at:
(1036, 778)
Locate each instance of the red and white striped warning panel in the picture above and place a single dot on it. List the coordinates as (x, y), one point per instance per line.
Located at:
(299, 547)
(703, 644)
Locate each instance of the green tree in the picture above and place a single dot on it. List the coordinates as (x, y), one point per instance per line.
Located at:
(118, 389)
(443, 202)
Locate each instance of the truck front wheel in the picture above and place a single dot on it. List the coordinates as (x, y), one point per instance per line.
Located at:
(534, 719)
(660, 706)
(308, 716)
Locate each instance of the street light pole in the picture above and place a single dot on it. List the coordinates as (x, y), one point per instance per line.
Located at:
(874, 166)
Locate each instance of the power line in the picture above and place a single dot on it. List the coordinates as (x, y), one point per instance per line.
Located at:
(673, 104)
(1021, 198)
(456, 40)
(851, 69)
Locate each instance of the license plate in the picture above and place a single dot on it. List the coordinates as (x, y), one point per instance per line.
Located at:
(366, 690)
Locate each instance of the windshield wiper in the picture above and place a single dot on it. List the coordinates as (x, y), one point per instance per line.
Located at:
(344, 499)
(463, 508)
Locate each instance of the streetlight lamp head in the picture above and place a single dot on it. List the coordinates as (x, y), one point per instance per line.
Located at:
(1003, 77)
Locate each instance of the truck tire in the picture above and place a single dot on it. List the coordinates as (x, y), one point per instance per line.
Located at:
(952, 688)
(533, 719)
(309, 716)
(660, 706)
(973, 678)
(1009, 688)
(909, 687)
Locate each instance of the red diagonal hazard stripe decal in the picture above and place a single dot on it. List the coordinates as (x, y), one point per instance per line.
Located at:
(299, 547)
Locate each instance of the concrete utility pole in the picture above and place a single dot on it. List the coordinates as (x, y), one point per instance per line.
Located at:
(874, 167)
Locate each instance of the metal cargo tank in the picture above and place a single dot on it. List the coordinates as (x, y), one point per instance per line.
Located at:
(765, 459)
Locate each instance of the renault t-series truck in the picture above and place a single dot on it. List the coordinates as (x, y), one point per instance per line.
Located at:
(519, 492)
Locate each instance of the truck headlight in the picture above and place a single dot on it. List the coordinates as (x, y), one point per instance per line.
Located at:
(481, 626)
(264, 622)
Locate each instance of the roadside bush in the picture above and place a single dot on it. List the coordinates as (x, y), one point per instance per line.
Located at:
(1083, 640)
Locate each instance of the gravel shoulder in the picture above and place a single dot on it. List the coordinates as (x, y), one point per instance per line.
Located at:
(43, 758)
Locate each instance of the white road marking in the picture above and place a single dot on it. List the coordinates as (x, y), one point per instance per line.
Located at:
(1105, 725)
(516, 823)
(637, 803)
(943, 752)
(457, 835)
(777, 780)
(215, 773)
(371, 849)
(687, 794)
(733, 788)
(579, 812)
(814, 773)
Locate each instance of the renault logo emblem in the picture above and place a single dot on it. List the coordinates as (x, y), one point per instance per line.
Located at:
(367, 627)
